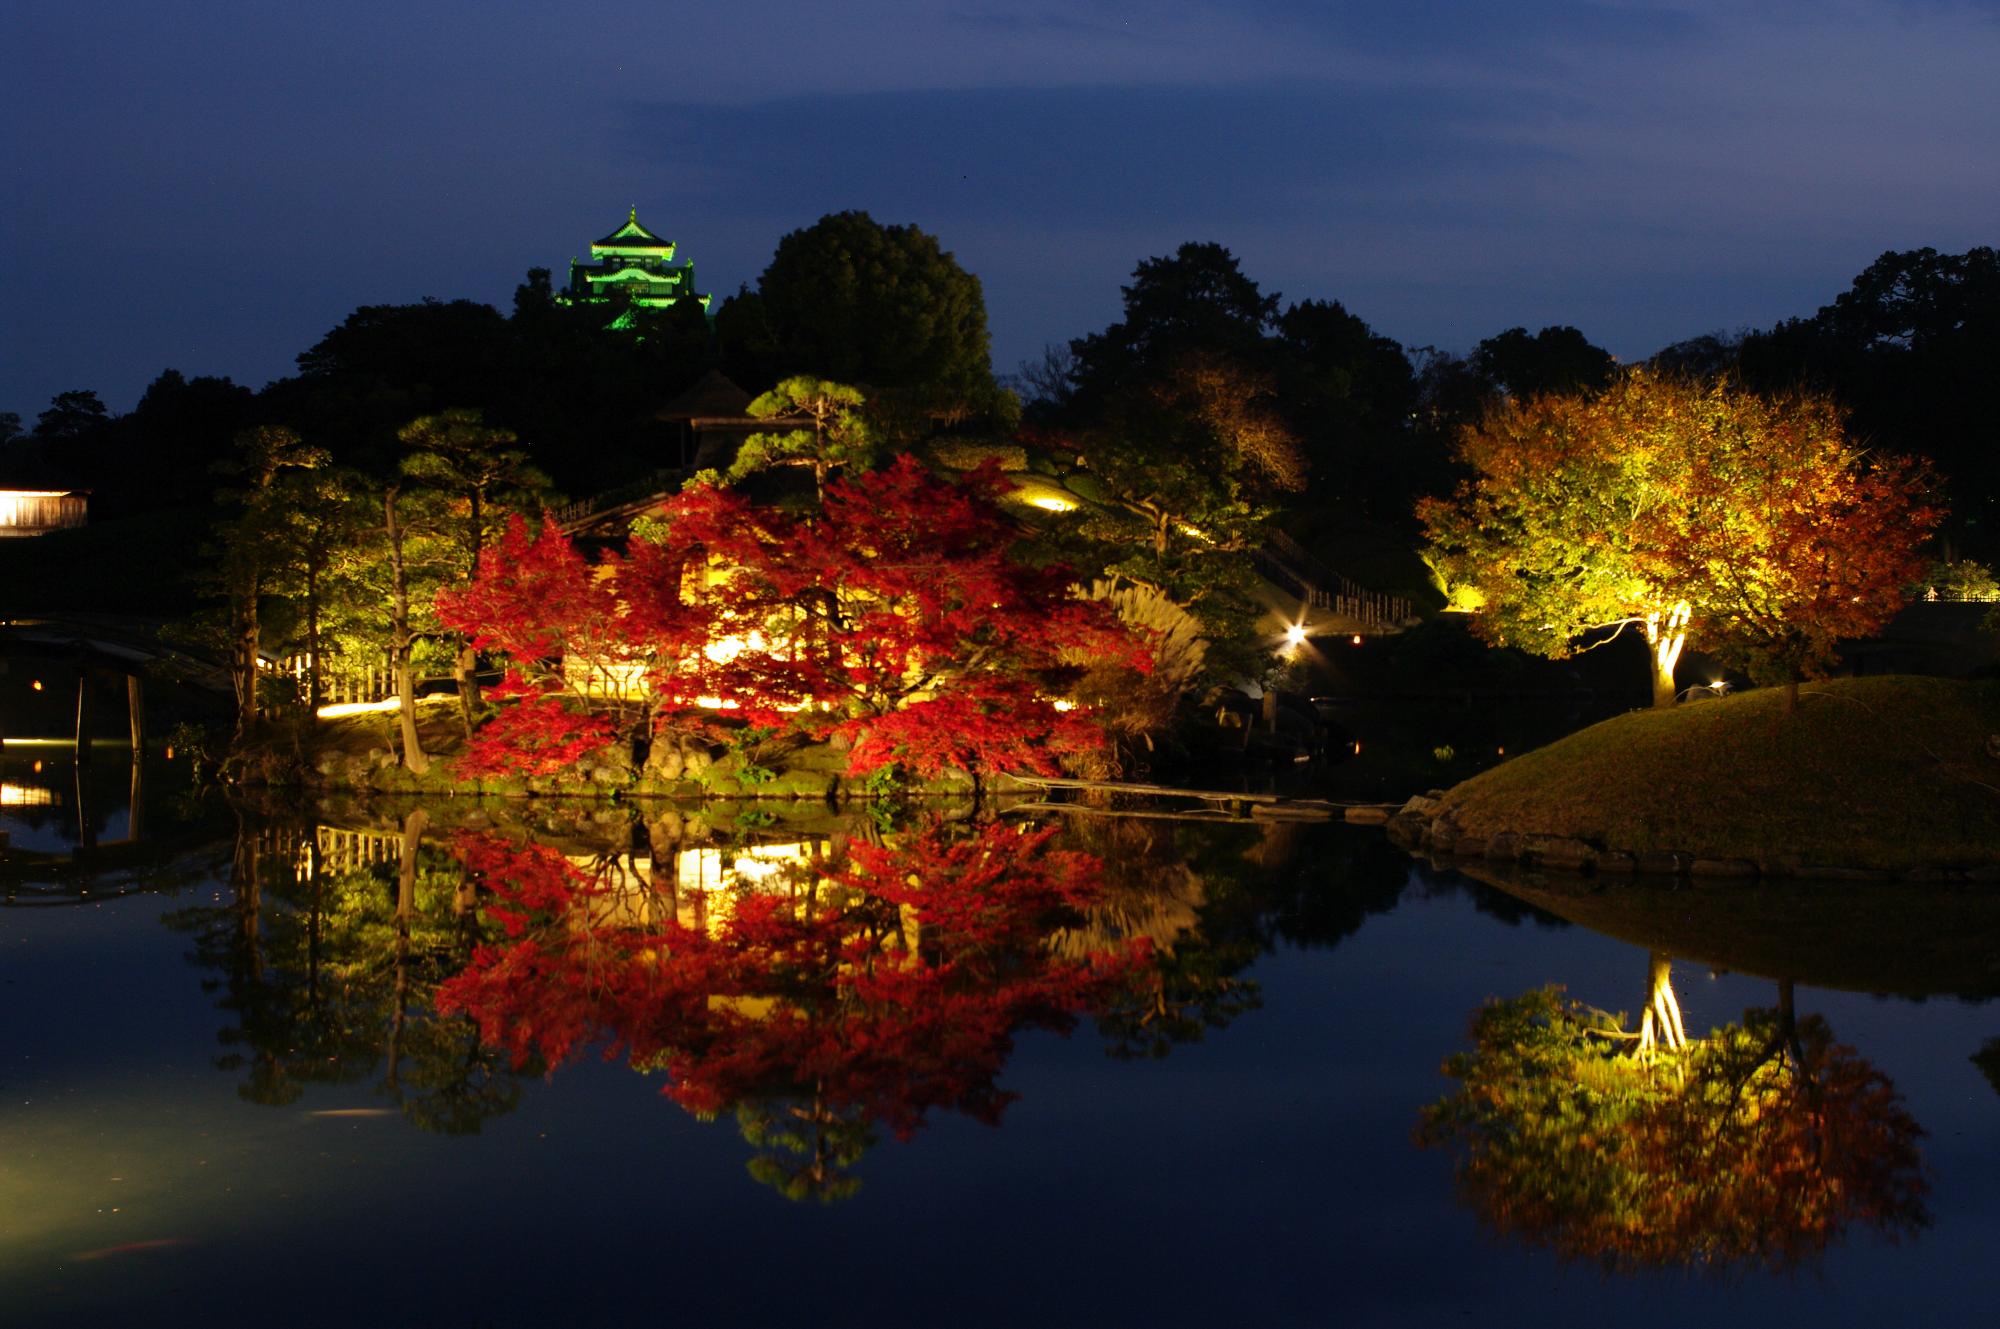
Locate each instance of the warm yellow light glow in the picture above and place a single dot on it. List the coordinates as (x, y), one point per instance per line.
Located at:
(1357, 747)
(335, 710)
(1050, 503)
(38, 768)
(1064, 704)
(1295, 635)
(1357, 639)
(717, 704)
(36, 685)
(26, 795)
(724, 649)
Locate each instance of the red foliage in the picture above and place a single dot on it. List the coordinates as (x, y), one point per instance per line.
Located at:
(989, 724)
(884, 985)
(947, 644)
(534, 599)
(540, 734)
(898, 618)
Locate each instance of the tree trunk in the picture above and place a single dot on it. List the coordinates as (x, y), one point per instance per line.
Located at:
(243, 662)
(465, 667)
(315, 680)
(1792, 695)
(406, 910)
(1666, 636)
(406, 688)
(1660, 1018)
(414, 757)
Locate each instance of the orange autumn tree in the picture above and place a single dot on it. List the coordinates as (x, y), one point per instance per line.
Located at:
(1679, 508)
(1784, 535)
(1757, 1147)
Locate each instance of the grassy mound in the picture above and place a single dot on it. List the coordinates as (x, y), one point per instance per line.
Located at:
(1887, 772)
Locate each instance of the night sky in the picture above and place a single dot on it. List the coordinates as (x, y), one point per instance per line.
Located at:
(210, 185)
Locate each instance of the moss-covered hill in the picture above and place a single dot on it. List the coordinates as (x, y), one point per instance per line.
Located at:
(1888, 772)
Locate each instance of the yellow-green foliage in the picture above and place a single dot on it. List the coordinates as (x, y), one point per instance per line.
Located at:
(1872, 772)
(1177, 644)
(964, 454)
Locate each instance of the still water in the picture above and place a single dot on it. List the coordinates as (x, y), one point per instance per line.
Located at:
(478, 1065)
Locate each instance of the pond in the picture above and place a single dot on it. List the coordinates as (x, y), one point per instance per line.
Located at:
(578, 1064)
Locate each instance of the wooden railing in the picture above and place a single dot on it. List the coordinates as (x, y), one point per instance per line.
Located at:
(1287, 562)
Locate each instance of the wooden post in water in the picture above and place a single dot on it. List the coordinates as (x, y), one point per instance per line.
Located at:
(86, 825)
(82, 689)
(135, 712)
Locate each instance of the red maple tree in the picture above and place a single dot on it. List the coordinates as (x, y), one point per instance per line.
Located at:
(896, 619)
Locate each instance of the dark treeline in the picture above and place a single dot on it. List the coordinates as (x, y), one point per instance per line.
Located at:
(883, 307)
(1210, 402)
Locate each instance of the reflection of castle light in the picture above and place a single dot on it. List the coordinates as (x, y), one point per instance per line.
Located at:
(27, 796)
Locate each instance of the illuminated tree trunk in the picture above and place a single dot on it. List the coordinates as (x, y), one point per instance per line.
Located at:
(406, 685)
(243, 655)
(315, 679)
(1661, 1021)
(1666, 635)
(465, 667)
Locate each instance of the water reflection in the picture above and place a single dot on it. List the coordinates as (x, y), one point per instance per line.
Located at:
(817, 991)
(823, 981)
(326, 955)
(1755, 1146)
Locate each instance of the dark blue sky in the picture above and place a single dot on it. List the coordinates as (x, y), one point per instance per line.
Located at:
(211, 184)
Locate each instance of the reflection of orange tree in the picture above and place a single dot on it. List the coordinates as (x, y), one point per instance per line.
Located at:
(869, 986)
(1754, 1147)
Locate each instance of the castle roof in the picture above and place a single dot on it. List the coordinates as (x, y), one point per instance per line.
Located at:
(632, 236)
(712, 397)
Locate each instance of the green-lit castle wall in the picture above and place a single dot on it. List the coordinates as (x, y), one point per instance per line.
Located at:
(634, 267)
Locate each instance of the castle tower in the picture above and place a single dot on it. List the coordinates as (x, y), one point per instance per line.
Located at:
(635, 266)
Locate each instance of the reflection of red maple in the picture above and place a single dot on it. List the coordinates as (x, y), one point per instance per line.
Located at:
(884, 982)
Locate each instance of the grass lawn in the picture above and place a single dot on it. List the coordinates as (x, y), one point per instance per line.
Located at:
(1889, 772)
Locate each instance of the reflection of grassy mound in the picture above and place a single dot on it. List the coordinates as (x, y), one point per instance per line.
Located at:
(1871, 772)
(1909, 939)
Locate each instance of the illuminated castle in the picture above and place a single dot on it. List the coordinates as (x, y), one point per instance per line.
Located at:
(635, 268)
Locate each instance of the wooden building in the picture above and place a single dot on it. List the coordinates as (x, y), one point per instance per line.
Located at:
(39, 511)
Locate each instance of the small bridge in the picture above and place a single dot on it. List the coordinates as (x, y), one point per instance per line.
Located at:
(1289, 565)
(111, 642)
(610, 512)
